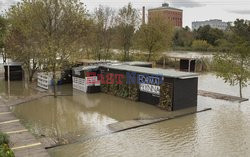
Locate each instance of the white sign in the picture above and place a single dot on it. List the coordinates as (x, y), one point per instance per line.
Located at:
(92, 81)
(148, 88)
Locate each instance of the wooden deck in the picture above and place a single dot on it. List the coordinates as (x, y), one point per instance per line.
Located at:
(26, 99)
(22, 142)
(132, 124)
(221, 96)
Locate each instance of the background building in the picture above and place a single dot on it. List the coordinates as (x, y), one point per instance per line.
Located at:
(171, 14)
(219, 24)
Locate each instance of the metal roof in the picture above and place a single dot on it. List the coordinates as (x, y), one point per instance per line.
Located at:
(85, 68)
(154, 71)
(188, 55)
(137, 63)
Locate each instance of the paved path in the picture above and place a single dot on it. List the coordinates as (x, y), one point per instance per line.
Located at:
(22, 142)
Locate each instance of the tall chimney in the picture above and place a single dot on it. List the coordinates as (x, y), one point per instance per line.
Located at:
(143, 15)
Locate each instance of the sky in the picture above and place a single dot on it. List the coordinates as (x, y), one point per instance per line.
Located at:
(193, 10)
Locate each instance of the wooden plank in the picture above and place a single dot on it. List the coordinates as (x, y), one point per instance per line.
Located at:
(22, 139)
(22, 142)
(36, 151)
(132, 124)
(221, 96)
(123, 125)
(26, 146)
(4, 108)
(11, 127)
(6, 117)
(17, 131)
(3, 113)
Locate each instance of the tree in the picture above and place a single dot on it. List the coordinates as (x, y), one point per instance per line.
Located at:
(104, 20)
(183, 37)
(3, 29)
(209, 34)
(55, 29)
(22, 39)
(155, 36)
(200, 45)
(234, 65)
(127, 22)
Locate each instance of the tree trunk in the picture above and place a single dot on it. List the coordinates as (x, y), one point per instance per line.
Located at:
(125, 56)
(31, 75)
(240, 85)
(149, 55)
(4, 56)
(54, 82)
(240, 80)
(99, 56)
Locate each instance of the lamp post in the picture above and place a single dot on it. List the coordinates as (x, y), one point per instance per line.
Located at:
(8, 65)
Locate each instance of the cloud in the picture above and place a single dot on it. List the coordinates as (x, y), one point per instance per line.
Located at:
(5, 4)
(245, 12)
(186, 3)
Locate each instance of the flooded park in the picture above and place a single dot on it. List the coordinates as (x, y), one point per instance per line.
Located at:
(81, 121)
(124, 78)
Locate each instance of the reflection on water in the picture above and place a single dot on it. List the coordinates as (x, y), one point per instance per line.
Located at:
(224, 131)
(210, 82)
(82, 114)
(208, 134)
(17, 89)
(211, 133)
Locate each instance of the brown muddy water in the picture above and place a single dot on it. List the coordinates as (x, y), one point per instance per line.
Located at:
(223, 131)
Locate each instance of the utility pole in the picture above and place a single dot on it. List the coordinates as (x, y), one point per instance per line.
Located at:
(143, 15)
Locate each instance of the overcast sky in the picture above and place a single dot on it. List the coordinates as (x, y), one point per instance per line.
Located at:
(194, 10)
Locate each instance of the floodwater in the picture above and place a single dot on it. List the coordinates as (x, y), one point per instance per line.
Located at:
(16, 89)
(223, 131)
(81, 115)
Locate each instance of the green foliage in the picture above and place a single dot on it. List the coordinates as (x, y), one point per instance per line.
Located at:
(127, 21)
(3, 27)
(241, 30)
(48, 33)
(3, 31)
(200, 45)
(183, 37)
(5, 151)
(234, 66)
(102, 32)
(4, 138)
(223, 45)
(155, 36)
(209, 34)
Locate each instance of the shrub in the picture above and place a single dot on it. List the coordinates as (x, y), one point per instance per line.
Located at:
(4, 139)
(200, 45)
(5, 151)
